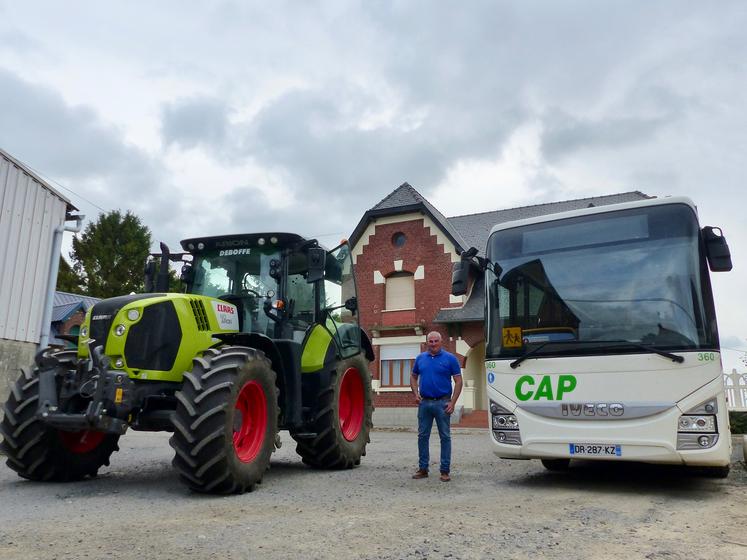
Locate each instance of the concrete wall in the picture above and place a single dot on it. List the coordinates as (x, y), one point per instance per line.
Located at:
(13, 355)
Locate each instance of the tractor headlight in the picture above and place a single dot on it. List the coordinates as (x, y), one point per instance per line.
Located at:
(84, 332)
(119, 330)
(133, 314)
(119, 363)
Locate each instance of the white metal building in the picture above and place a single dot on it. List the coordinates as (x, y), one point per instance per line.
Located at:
(32, 221)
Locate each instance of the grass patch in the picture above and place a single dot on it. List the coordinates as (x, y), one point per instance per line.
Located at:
(738, 421)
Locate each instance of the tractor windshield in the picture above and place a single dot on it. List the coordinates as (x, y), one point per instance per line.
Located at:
(244, 277)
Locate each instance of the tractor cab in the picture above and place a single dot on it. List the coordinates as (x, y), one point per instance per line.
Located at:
(280, 285)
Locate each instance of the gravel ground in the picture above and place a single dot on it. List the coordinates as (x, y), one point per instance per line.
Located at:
(492, 508)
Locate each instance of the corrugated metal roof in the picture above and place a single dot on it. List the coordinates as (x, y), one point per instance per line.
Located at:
(61, 298)
(30, 210)
(63, 312)
(26, 169)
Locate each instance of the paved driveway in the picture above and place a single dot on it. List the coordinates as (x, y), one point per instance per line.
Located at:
(492, 509)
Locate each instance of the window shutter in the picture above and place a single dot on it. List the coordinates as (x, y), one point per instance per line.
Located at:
(400, 292)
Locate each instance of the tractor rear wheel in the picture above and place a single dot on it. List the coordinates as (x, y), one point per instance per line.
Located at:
(344, 420)
(39, 452)
(226, 421)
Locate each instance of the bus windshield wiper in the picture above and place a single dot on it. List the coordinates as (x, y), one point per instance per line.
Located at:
(517, 362)
(612, 343)
(673, 357)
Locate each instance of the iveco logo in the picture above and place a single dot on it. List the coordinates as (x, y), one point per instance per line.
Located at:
(100, 317)
(592, 409)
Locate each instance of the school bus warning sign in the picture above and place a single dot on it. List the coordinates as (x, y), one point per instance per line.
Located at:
(512, 337)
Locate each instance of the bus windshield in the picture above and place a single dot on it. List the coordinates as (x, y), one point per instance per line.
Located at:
(586, 283)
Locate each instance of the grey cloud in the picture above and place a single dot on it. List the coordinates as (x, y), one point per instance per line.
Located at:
(309, 136)
(564, 134)
(13, 40)
(193, 122)
(65, 140)
(72, 145)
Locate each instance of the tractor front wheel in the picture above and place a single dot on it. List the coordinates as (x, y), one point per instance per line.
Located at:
(38, 452)
(344, 420)
(226, 421)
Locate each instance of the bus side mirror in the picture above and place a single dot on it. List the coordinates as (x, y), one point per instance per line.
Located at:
(717, 251)
(316, 259)
(460, 277)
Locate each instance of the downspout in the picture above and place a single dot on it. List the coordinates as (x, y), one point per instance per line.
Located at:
(54, 268)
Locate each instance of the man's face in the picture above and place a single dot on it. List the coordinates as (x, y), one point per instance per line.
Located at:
(434, 344)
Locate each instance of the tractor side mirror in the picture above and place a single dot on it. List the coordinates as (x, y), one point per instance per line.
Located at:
(351, 304)
(188, 274)
(316, 260)
(717, 251)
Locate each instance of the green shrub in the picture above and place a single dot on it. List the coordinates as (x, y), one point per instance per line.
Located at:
(738, 421)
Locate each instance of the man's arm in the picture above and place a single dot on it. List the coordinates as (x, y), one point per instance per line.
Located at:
(455, 394)
(414, 387)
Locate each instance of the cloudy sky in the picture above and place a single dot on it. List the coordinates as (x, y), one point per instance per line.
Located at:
(218, 117)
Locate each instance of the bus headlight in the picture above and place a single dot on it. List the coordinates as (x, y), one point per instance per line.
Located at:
(504, 424)
(698, 429)
(697, 424)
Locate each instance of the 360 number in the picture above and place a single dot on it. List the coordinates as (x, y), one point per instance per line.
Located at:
(706, 357)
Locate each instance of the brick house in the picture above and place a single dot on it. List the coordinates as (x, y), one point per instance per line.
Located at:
(403, 249)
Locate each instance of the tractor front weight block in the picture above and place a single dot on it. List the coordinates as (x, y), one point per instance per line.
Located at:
(110, 403)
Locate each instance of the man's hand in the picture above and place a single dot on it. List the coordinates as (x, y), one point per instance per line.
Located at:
(418, 398)
(449, 408)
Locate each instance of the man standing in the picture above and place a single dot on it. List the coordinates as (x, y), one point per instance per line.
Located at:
(431, 384)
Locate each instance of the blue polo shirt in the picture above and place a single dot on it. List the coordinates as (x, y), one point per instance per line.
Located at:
(434, 372)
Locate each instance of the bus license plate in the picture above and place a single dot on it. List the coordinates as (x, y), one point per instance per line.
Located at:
(595, 449)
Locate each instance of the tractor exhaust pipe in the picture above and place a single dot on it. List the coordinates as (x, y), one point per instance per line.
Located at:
(162, 282)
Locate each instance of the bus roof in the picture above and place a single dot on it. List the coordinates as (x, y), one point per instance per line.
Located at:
(607, 208)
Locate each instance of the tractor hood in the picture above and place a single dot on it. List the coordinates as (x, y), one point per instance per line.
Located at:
(155, 336)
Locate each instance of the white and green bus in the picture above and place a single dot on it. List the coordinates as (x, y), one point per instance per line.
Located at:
(601, 336)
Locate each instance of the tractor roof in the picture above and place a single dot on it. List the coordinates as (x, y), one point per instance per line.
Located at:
(239, 240)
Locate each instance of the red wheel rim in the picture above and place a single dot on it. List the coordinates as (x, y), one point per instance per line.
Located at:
(351, 404)
(250, 421)
(81, 442)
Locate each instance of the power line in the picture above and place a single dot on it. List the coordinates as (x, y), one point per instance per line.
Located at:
(60, 185)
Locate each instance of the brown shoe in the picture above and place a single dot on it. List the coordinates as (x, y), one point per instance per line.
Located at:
(445, 477)
(420, 473)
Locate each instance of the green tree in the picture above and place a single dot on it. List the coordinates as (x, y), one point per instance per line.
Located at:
(110, 254)
(68, 280)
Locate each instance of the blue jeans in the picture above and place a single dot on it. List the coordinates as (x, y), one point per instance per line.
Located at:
(427, 412)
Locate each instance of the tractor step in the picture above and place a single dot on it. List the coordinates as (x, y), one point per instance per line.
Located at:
(305, 435)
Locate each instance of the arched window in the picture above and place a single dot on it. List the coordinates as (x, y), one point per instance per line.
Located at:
(400, 291)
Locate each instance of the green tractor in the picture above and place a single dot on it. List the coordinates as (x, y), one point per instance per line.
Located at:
(264, 338)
